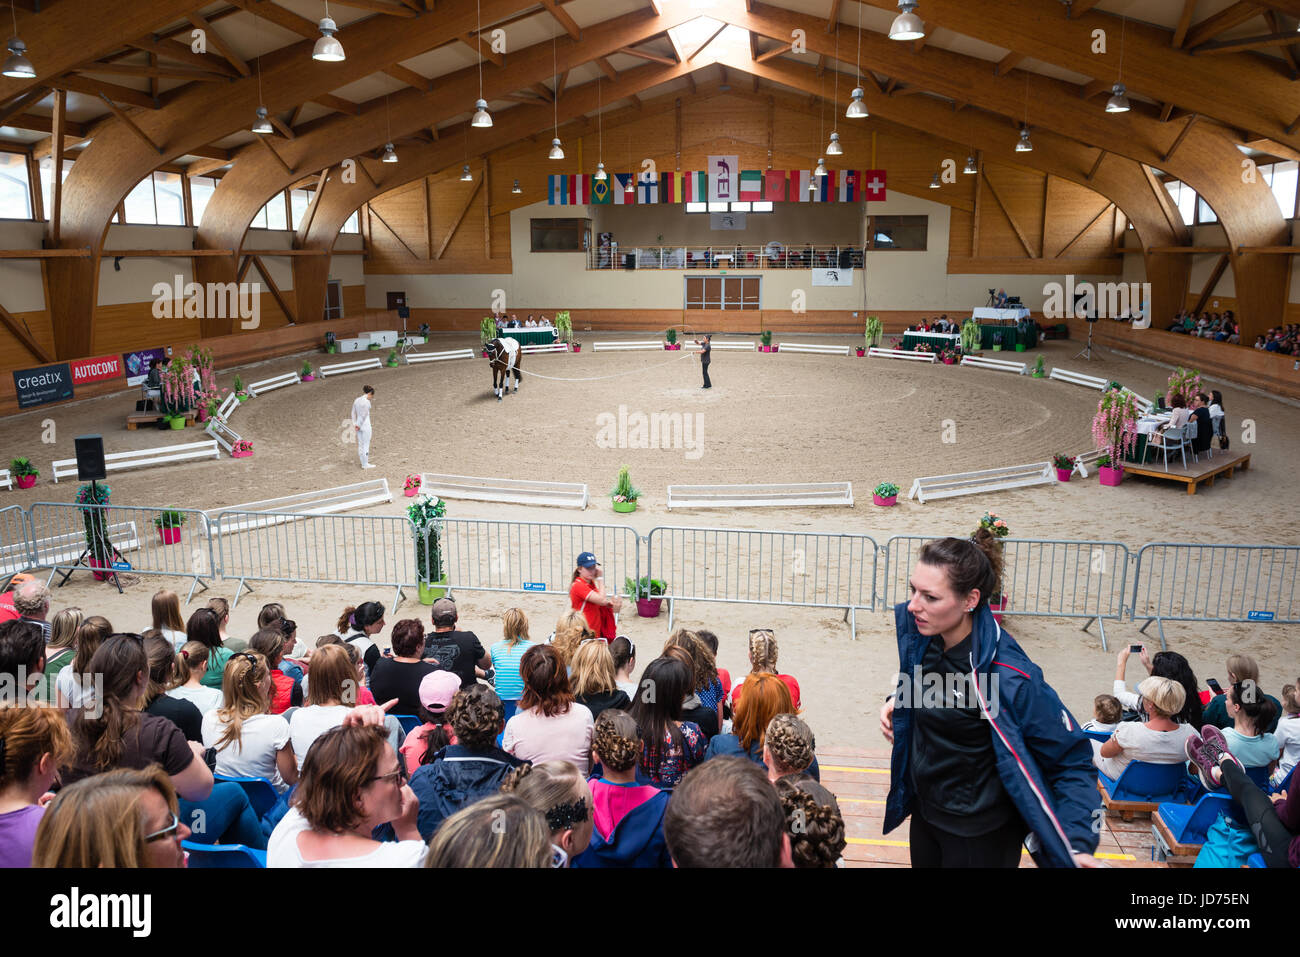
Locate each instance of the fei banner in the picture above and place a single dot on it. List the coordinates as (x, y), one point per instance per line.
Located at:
(724, 179)
(43, 384)
(833, 277)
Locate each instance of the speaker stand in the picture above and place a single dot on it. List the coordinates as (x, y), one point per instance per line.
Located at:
(1086, 351)
(83, 562)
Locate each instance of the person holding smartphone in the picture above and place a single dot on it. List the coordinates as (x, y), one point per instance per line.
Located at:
(1166, 664)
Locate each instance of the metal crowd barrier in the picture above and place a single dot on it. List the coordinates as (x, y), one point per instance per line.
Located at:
(318, 549)
(1178, 581)
(1041, 578)
(15, 543)
(127, 538)
(816, 569)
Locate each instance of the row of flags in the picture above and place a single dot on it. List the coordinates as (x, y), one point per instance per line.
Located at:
(752, 185)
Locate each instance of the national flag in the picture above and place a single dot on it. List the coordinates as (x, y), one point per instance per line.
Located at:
(621, 196)
(696, 187)
(751, 185)
(873, 185)
(557, 189)
(774, 184)
(825, 191)
(671, 186)
(600, 190)
(850, 190)
(799, 186)
(647, 189)
(580, 191)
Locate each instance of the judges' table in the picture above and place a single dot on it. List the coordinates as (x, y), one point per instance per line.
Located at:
(935, 340)
(1012, 336)
(540, 336)
(1012, 313)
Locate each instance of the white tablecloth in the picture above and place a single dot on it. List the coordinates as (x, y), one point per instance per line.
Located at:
(1015, 312)
(1149, 423)
(942, 336)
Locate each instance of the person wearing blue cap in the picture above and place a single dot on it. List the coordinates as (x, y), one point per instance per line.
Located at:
(587, 595)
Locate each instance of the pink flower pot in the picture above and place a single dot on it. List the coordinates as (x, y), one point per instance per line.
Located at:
(861, 353)
(100, 576)
(998, 607)
(577, 347)
(240, 455)
(170, 536)
(884, 502)
(412, 492)
(947, 362)
(309, 378)
(775, 349)
(25, 481)
(648, 607)
(1063, 475)
(1110, 476)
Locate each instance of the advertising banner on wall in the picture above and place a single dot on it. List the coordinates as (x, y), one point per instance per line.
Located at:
(832, 277)
(43, 384)
(96, 370)
(137, 363)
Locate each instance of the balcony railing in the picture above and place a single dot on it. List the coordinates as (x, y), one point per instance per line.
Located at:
(716, 257)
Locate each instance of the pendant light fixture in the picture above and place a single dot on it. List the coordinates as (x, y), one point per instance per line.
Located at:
(390, 155)
(482, 118)
(857, 109)
(834, 148)
(821, 131)
(907, 25)
(1023, 145)
(934, 183)
(557, 151)
(465, 176)
(515, 188)
(1118, 102)
(971, 169)
(600, 138)
(262, 125)
(821, 167)
(17, 65)
(630, 185)
(328, 49)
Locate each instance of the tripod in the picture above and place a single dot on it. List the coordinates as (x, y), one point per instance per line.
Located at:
(406, 344)
(1086, 351)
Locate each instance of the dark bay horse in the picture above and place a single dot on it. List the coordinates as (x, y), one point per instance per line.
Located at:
(504, 361)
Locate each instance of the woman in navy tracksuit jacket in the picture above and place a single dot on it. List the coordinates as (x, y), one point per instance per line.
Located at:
(985, 754)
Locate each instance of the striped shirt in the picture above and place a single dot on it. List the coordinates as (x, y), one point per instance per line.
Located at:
(505, 662)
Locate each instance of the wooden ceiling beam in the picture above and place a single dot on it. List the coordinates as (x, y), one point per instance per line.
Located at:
(130, 124)
(477, 44)
(1184, 23)
(1077, 8)
(1227, 18)
(408, 76)
(123, 94)
(1279, 38)
(379, 6)
(1090, 89)
(162, 72)
(563, 19)
(713, 36)
(646, 55)
(337, 103)
(605, 68)
(281, 17)
(179, 51)
(833, 18)
(773, 53)
(219, 44)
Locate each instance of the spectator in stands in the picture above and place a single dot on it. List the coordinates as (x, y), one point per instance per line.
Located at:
(166, 607)
(814, 825)
(351, 783)
(767, 697)
(456, 651)
(400, 676)
(60, 650)
(32, 602)
(789, 748)
(36, 742)
(693, 710)
(1166, 664)
(437, 691)
(188, 667)
(331, 693)
(162, 665)
(272, 615)
(550, 725)
(623, 651)
(506, 655)
(727, 814)
(587, 595)
(125, 818)
(1288, 734)
(711, 640)
(670, 747)
(357, 625)
(364, 696)
(1158, 740)
(975, 780)
(1204, 424)
(75, 683)
(1106, 713)
(1259, 342)
(593, 679)
(454, 775)
(570, 630)
(501, 831)
(286, 693)
(248, 740)
(560, 792)
(627, 817)
(708, 686)
(1243, 670)
(762, 660)
(22, 658)
(202, 627)
(1247, 739)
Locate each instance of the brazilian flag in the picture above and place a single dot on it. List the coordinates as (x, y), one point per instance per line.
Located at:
(600, 191)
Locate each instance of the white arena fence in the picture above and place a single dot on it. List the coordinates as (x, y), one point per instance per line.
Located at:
(1040, 578)
(814, 569)
(1179, 581)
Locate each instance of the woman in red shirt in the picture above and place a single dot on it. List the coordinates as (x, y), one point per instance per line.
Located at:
(587, 595)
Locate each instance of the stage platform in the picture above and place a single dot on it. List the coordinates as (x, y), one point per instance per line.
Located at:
(1195, 473)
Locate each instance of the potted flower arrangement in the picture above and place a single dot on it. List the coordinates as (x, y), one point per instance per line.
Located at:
(1064, 465)
(576, 344)
(999, 529)
(306, 373)
(1114, 429)
(392, 359)
(93, 497)
(624, 494)
(873, 330)
(970, 336)
(564, 327)
(168, 523)
(238, 386)
(24, 472)
(670, 339)
(948, 356)
(487, 331)
(861, 351)
(178, 392)
(997, 341)
(885, 494)
(411, 486)
(1038, 372)
(426, 515)
(331, 345)
(373, 346)
(241, 449)
(1184, 382)
(922, 347)
(649, 593)
(765, 337)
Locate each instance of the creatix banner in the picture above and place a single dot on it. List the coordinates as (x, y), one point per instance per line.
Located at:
(43, 384)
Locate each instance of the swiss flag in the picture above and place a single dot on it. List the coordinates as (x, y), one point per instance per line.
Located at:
(873, 185)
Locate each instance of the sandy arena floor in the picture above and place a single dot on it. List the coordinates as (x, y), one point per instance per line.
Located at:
(769, 418)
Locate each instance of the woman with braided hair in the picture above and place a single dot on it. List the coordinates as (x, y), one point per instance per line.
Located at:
(762, 660)
(628, 818)
(559, 791)
(813, 822)
(788, 748)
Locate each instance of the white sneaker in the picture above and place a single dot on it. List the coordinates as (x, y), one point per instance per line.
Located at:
(367, 466)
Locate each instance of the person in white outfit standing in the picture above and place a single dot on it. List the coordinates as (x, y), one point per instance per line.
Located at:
(361, 424)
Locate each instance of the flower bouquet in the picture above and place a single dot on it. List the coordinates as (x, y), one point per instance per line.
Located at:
(885, 494)
(426, 515)
(411, 486)
(1064, 465)
(241, 449)
(624, 494)
(1114, 429)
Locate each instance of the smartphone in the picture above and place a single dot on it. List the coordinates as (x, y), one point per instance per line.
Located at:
(1136, 649)
(1214, 685)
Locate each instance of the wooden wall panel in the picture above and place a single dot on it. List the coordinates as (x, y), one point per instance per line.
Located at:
(15, 355)
(590, 324)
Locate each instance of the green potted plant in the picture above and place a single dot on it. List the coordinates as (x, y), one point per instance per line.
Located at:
(1038, 372)
(873, 330)
(373, 346)
(670, 339)
(168, 523)
(24, 472)
(576, 344)
(487, 331)
(331, 344)
(426, 515)
(885, 494)
(624, 494)
(766, 338)
(238, 386)
(306, 373)
(649, 593)
(564, 327)
(970, 336)
(1064, 465)
(1114, 426)
(997, 341)
(392, 358)
(93, 497)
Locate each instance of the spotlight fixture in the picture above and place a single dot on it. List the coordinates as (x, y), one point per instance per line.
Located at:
(465, 176)
(515, 188)
(1118, 102)
(263, 125)
(821, 167)
(482, 118)
(1023, 145)
(934, 183)
(557, 151)
(328, 49)
(834, 148)
(857, 109)
(907, 25)
(971, 169)
(601, 175)
(390, 156)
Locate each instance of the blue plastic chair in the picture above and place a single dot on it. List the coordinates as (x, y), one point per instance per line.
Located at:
(261, 793)
(1286, 782)
(1102, 736)
(223, 855)
(1188, 823)
(1260, 776)
(409, 722)
(1146, 783)
(1256, 860)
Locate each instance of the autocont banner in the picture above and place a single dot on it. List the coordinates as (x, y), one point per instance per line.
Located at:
(43, 384)
(137, 364)
(96, 370)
